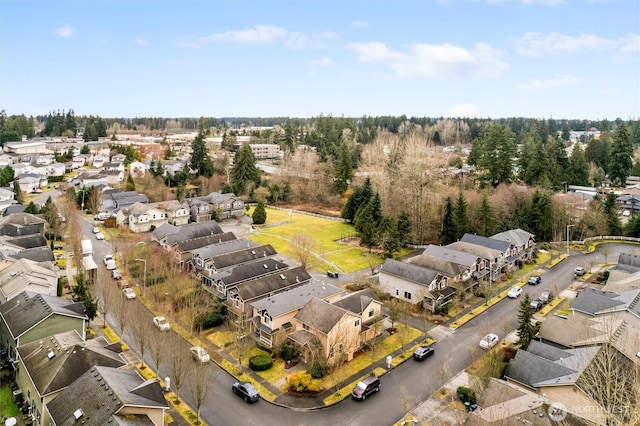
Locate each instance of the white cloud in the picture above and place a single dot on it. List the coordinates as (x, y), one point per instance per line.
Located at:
(550, 83)
(429, 60)
(141, 41)
(537, 44)
(464, 110)
(321, 62)
(65, 31)
(260, 34)
(360, 24)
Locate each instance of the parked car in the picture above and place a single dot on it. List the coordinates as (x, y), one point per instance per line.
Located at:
(514, 292)
(580, 271)
(95, 230)
(246, 391)
(99, 236)
(536, 305)
(36, 191)
(489, 341)
(58, 246)
(129, 293)
(546, 297)
(115, 274)
(161, 323)
(422, 353)
(535, 280)
(199, 354)
(109, 262)
(366, 387)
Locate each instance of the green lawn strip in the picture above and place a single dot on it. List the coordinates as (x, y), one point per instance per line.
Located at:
(353, 259)
(557, 260)
(409, 352)
(237, 373)
(9, 408)
(550, 306)
(107, 235)
(113, 337)
(221, 338)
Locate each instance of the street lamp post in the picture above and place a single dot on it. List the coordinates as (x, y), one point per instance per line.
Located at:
(568, 227)
(144, 274)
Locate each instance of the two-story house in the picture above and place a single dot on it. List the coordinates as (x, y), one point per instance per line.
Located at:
(116, 166)
(412, 283)
(145, 217)
(208, 262)
(491, 259)
(169, 234)
(200, 210)
(182, 251)
(222, 283)
(368, 307)
(459, 267)
(177, 213)
(523, 244)
(505, 260)
(21, 274)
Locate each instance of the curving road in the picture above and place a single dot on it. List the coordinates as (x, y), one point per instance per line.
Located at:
(407, 385)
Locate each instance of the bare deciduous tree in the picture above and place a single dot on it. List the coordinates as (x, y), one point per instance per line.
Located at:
(178, 363)
(121, 309)
(302, 246)
(202, 376)
(107, 295)
(157, 349)
(141, 331)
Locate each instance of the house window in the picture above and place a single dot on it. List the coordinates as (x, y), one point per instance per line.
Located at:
(266, 318)
(305, 327)
(357, 323)
(236, 302)
(407, 295)
(372, 312)
(397, 292)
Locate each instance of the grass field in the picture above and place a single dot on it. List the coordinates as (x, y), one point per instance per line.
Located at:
(281, 227)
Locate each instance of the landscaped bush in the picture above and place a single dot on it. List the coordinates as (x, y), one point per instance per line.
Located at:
(264, 348)
(466, 395)
(260, 362)
(288, 352)
(212, 318)
(317, 370)
(302, 381)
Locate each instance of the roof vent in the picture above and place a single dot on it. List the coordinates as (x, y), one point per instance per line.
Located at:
(282, 277)
(78, 413)
(50, 354)
(265, 266)
(253, 252)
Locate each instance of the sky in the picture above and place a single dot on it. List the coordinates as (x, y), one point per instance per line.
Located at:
(559, 59)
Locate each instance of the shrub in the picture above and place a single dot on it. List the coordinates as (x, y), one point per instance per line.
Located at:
(260, 362)
(317, 370)
(211, 318)
(264, 348)
(288, 352)
(442, 309)
(303, 382)
(466, 395)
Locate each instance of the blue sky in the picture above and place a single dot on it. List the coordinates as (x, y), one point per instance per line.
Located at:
(493, 58)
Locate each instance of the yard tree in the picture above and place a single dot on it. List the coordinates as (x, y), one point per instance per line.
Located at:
(343, 168)
(360, 197)
(485, 216)
(461, 218)
(611, 210)
(17, 191)
(157, 349)
(200, 160)
(259, 215)
(404, 228)
(178, 363)
(448, 232)
(302, 246)
(244, 170)
(141, 331)
(131, 185)
(6, 176)
(621, 159)
(200, 383)
(527, 330)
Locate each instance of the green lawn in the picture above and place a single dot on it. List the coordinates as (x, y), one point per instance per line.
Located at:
(7, 406)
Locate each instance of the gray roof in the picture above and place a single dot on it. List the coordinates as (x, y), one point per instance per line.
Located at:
(358, 301)
(37, 254)
(295, 298)
(29, 241)
(55, 362)
(211, 250)
(475, 249)
(592, 301)
(194, 230)
(266, 285)
(416, 274)
(455, 256)
(163, 230)
(445, 267)
(517, 237)
(239, 257)
(27, 309)
(101, 393)
(320, 315)
(249, 271)
(22, 219)
(491, 243)
(542, 365)
(628, 262)
(197, 243)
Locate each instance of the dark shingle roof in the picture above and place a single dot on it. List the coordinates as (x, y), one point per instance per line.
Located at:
(320, 315)
(517, 237)
(239, 257)
(357, 302)
(263, 286)
(486, 242)
(28, 309)
(295, 297)
(196, 243)
(29, 241)
(211, 250)
(409, 272)
(591, 301)
(37, 254)
(194, 230)
(455, 256)
(101, 393)
(249, 271)
(445, 267)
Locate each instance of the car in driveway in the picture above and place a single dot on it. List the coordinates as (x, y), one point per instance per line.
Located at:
(199, 354)
(489, 341)
(515, 292)
(536, 305)
(161, 323)
(422, 353)
(246, 391)
(99, 236)
(579, 271)
(535, 280)
(365, 387)
(129, 293)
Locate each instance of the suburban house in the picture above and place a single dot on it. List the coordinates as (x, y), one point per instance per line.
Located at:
(32, 316)
(119, 158)
(30, 181)
(325, 331)
(169, 234)
(200, 210)
(104, 395)
(20, 275)
(523, 244)
(177, 213)
(116, 166)
(21, 224)
(202, 255)
(48, 366)
(137, 169)
(221, 283)
(99, 160)
(273, 315)
(414, 284)
(220, 206)
(7, 194)
(368, 307)
(459, 267)
(183, 250)
(506, 259)
(56, 169)
(491, 258)
(630, 203)
(123, 199)
(112, 177)
(239, 298)
(222, 261)
(145, 217)
(80, 160)
(171, 167)
(92, 179)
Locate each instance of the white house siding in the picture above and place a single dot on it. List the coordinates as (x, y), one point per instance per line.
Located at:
(401, 289)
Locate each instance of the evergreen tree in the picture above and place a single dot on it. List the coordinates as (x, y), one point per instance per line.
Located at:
(578, 173)
(621, 159)
(527, 330)
(131, 185)
(540, 216)
(558, 162)
(200, 160)
(404, 228)
(360, 197)
(388, 238)
(461, 219)
(82, 294)
(244, 170)
(259, 215)
(158, 170)
(17, 191)
(611, 211)
(85, 149)
(448, 233)
(371, 213)
(496, 155)
(6, 176)
(485, 216)
(344, 168)
(32, 208)
(632, 228)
